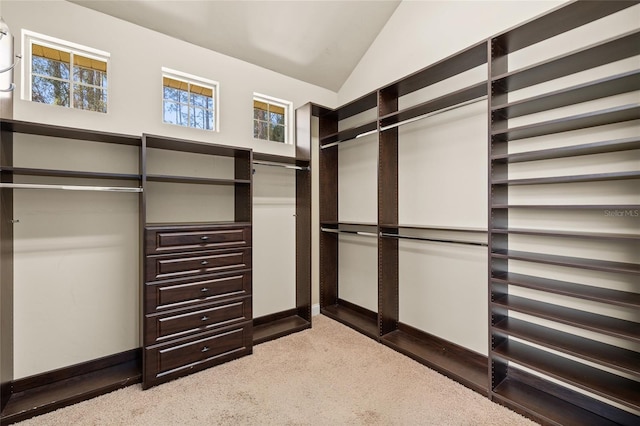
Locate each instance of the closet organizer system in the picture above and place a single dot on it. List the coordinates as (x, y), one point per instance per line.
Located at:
(563, 301)
(196, 285)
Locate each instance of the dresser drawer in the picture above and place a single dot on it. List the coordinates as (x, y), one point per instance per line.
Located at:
(185, 265)
(179, 322)
(189, 238)
(162, 295)
(168, 361)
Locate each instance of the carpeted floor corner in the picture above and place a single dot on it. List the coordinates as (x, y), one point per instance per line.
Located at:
(328, 375)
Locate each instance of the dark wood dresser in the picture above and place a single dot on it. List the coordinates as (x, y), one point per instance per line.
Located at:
(197, 298)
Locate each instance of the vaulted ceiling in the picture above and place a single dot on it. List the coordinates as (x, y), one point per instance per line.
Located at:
(317, 41)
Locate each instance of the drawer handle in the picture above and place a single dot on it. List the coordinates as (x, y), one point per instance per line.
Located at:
(204, 262)
(204, 290)
(204, 238)
(204, 318)
(205, 349)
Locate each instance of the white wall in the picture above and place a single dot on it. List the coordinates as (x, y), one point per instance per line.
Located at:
(424, 31)
(135, 95)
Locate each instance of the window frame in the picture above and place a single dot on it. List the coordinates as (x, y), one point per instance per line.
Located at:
(288, 116)
(198, 81)
(29, 38)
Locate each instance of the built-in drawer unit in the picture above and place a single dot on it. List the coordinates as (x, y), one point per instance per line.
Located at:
(185, 356)
(179, 322)
(197, 298)
(192, 238)
(189, 264)
(171, 294)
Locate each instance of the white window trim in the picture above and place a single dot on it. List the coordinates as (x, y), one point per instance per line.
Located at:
(287, 105)
(30, 37)
(190, 78)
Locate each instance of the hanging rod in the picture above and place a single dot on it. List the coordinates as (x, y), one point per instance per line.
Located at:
(435, 240)
(286, 166)
(436, 112)
(70, 187)
(360, 135)
(338, 231)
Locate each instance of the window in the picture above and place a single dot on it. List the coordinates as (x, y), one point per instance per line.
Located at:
(271, 119)
(65, 74)
(188, 100)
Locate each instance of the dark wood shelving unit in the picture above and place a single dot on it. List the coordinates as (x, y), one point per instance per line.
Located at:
(605, 52)
(616, 145)
(24, 171)
(457, 362)
(600, 323)
(608, 86)
(610, 356)
(566, 124)
(576, 262)
(581, 291)
(563, 361)
(199, 333)
(280, 324)
(28, 397)
(567, 234)
(617, 388)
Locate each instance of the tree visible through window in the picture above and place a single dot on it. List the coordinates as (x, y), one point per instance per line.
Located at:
(66, 78)
(269, 120)
(188, 104)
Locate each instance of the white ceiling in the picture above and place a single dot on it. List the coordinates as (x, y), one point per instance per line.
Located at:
(317, 41)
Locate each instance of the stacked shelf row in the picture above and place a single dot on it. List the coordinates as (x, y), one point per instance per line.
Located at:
(563, 265)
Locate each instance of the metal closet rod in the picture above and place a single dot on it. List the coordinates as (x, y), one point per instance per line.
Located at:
(286, 166)
(435, 240)
(338, 231)
(411, 120)
(70, 187)
(436, 112)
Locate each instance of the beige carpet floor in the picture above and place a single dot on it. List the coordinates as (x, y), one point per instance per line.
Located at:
(328, 375)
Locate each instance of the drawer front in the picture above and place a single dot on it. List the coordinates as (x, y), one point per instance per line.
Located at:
(166, 362)
(179, 265)
(179, 240)
(177, 323)
(174, 294)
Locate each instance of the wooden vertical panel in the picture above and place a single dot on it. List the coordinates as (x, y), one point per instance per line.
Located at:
(497, 65)
(303, 212)
(243, 192)
(6, 271)
(388, 268)
(328, 164)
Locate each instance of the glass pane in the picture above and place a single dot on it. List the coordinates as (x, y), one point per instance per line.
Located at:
(91, 98)
(175, 113)
(48, 91)
(276, 118)
(89, 76)
(50, 67)
(170, 94)
(276, 133)
(260, 114)
(260, 130)
(199, 100)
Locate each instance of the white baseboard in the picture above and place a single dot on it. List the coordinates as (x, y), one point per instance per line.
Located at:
(315, 309)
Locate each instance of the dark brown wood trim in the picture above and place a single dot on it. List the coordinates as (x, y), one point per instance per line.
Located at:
(359, 309)
(42, 393)
(6, 270)
(266, 319)
(276, 325)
